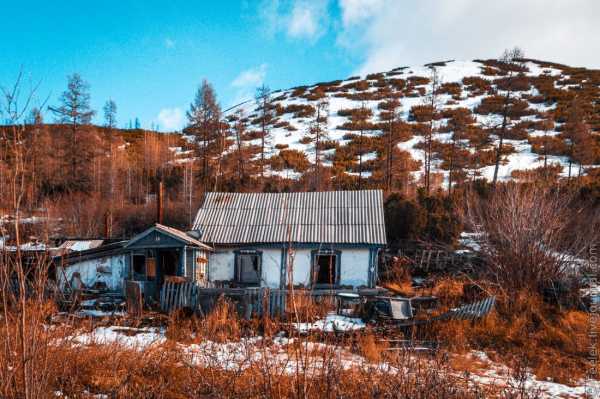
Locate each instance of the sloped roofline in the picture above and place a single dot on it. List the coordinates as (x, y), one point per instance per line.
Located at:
(328, 217)
(171, 232)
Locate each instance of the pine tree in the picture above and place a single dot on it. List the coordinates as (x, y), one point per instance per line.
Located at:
(204, 118)
(74, 110)
(582, 147)
(110, 114)
(390, 116)
(359, 120)
(460, 123)
(110, 123)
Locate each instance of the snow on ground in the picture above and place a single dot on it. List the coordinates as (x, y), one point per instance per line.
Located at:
(285, 354)
(132, 338)
(99, 313)
(290, 354)
(495, 374)
(332, 323)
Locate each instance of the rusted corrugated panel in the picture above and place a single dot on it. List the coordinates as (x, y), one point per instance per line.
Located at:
(315, 217)
(471, 311)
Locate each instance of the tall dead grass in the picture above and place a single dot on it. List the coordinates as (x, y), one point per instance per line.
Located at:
(553, 343)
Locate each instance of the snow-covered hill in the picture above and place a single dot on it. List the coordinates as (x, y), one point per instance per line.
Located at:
(463, 85)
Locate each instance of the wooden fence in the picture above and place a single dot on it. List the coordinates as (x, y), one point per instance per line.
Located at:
(248, 301)
(175, 296)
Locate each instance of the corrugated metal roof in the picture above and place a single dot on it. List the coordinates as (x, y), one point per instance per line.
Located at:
(80, 245)
(343, 217)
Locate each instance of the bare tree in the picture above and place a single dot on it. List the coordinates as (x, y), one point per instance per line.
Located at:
(530, 236)
(23, 337)
(318, 131)
(432, 102)
(512, 62)
(110, 123)
(390, 116)
(263, 100)
(239, 130)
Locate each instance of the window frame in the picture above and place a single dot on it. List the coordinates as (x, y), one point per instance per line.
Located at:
(314, 254)
(237, 269)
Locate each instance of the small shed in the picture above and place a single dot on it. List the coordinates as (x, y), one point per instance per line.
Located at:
(150, 258)
(162, 252)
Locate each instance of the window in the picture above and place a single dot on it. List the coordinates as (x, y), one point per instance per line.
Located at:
(325, 270)
(201, 267)
(248, 265)
(139, 264)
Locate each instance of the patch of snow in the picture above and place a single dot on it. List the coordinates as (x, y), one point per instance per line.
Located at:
(332, 323)
(133, 338)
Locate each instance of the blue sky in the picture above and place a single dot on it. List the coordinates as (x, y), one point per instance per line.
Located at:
(150, 56)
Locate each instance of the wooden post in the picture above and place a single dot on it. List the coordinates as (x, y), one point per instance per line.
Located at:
(159, 203)
(107, 224)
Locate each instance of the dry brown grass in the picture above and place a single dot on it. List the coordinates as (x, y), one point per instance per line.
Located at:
(553, 343)
(317, 364)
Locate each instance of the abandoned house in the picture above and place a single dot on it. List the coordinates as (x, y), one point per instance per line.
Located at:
(150, 258)
(310, 239)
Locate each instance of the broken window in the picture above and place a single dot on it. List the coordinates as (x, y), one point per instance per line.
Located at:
(201, 266)
(248, 268)
(325, 270)
(169, 261)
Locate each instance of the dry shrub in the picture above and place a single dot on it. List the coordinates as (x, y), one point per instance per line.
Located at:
(222, 323)
(527, 238)
(369, 348)
(449, 291)
(554, 344)
(303, 306)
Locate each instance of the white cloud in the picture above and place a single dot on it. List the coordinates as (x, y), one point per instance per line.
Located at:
(250, 77)
(391, 33)
(355, 11)
(247, 82)
(299, 19)
(304, 21)
(170, 119)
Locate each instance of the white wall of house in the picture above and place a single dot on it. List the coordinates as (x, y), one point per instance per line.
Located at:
(271, 267)
(221, 265)
(301, 266)
(354, 266)
(111, 270)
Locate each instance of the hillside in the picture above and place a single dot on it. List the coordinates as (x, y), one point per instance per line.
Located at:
(374, 131)
(469, 93)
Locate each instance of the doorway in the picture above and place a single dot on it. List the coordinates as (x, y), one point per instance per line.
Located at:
(326, 268)
(168, 259)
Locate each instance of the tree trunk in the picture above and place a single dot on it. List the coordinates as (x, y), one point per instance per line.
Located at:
(500, 143)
